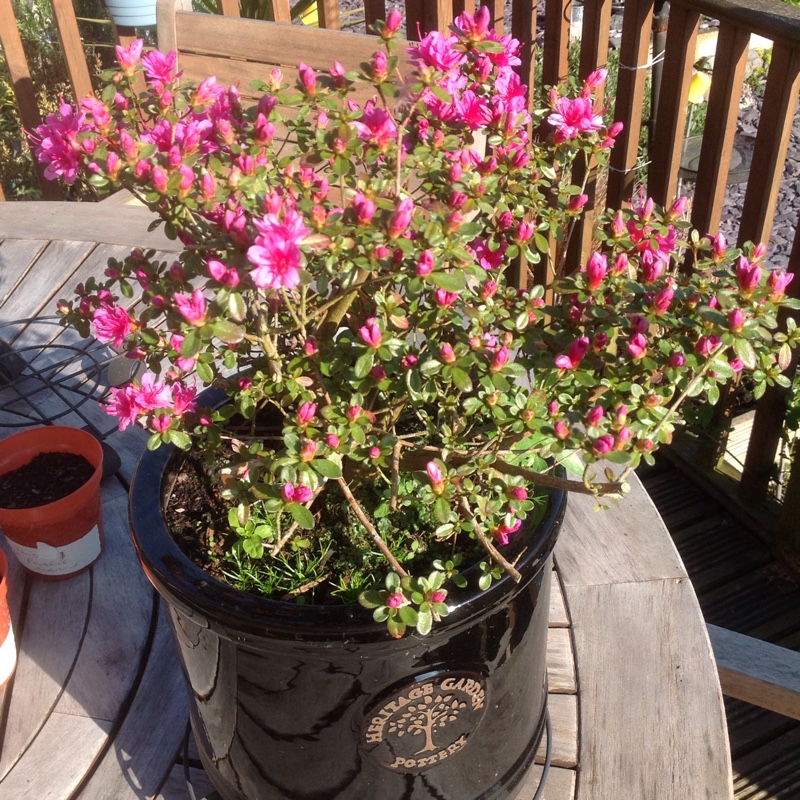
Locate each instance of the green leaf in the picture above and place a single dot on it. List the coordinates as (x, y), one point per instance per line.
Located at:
(424, 620)
(204, 372)
(442, 509)
(371, 599)
(228, 332)
(364, 364)
(745, 352)
(192, 344)
(461, 380)
(449, 281)
(327, 468)
(301, 515)
(236, 307)
(785, 355)
(154, 442)
(180, 439)
(409, 615)
(396, 627)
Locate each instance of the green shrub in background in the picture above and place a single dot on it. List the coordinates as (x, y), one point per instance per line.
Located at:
(49, 75)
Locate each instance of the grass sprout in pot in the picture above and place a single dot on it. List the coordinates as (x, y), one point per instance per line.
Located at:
(50, 509)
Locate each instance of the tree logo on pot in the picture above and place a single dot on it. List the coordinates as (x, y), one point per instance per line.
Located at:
(421, 725)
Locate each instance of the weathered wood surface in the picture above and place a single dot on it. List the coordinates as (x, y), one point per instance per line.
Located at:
(98, 710)
(759, 672)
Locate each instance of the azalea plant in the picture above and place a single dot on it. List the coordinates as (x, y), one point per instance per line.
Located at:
(345, 270)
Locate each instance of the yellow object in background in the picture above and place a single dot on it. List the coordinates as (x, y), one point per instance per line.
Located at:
(310, 17)
(698, 88)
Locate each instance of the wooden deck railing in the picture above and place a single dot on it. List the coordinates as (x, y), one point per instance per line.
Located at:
(737, 19)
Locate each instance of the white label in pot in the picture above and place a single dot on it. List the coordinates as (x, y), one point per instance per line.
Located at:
(47, 560)
(8, 656)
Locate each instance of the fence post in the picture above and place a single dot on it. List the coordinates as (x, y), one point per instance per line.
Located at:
(72, 46)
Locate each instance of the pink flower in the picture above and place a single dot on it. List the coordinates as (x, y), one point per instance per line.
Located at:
(409, 361)
(363, 208)
(353, 413)
(596, 271)
(594, 416)
(296, 494)
(676, 360)
(503, 531)
(311, 348)
(393, 21)
(577, 350)
(662, 300)
(778, 280)
(748, 276)
(445, 299)
(577, 202)
(183, 399)
(396, 600)
(561, 430)
(706, 345)
(437, 596)
(518, 493)
(227, 276)
(499, 360)
(276, 253)
(603, 444)
(57, 143)
(425, 263)
(123, 405)
(436, 477)
(637, 345)
(192, 309)
(332, 440)
(370, 333)
(159, 67)
(401, 218)
(308, 450)
(596, 79)
(152, 394)
(183, 363)
(573, 117)
(374, 452)
(308, 78)
(306, 413)
(736, 320)
(376, 126)
(112, 324)
(736, 364)
(447, 353)
(128, 57)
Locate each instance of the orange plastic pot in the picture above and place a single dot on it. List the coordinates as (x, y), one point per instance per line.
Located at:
(59, 539)
(8, 648)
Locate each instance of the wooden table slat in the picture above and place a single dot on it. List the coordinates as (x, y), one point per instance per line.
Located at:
(145, 747)
(650, 712)
(55, 620)
(16, 256)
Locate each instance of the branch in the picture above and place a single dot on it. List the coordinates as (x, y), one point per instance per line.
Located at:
(493, 552)
(365, 521)
(418, 458)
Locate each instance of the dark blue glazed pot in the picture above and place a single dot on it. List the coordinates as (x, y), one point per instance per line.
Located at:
(303, 702)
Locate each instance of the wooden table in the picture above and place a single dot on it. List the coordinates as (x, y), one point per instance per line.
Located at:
(98, 710)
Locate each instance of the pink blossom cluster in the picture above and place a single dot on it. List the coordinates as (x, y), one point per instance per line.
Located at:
(160, 403)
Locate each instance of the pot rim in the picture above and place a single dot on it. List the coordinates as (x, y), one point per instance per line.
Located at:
(20, 448)
(187, 585)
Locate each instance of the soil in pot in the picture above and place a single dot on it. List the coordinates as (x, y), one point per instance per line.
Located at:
(331, 564)
(46, 478)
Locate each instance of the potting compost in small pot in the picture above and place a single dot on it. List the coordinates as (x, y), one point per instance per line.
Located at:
(50, 509)
(305, 702)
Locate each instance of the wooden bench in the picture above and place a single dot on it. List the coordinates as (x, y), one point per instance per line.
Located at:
(757, 672)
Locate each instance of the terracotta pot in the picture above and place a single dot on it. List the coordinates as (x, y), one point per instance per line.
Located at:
(291, 702)
(8, 648)
(59, 539)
